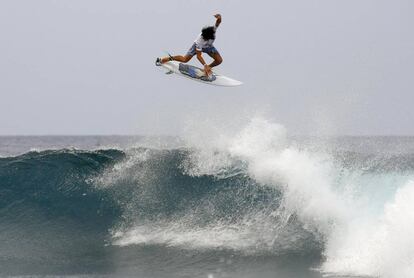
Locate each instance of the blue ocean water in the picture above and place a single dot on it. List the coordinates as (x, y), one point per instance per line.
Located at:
(256, 204)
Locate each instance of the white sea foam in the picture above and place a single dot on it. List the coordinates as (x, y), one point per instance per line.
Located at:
(358, 240)
(254, 233)
(305, 178)
(381, 246)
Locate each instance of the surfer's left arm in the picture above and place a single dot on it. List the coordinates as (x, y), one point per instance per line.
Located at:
(218, 19)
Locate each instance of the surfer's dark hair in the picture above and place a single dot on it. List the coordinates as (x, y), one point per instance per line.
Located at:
(208, 33)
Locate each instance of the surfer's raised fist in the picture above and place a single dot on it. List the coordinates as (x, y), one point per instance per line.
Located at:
(217, 16)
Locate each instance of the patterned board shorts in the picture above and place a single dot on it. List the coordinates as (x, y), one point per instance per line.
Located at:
(208, 50)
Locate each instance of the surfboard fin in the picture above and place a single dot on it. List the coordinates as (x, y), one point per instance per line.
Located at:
(169, 72)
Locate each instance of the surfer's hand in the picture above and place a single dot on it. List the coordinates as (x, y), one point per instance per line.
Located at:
(207, 69)
(218, 19)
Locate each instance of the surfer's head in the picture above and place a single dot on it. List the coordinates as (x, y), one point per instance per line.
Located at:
(208, 33)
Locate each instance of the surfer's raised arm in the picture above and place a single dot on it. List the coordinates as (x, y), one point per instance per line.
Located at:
(218, 19)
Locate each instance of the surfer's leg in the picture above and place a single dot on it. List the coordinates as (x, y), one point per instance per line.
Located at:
(179, 58)
(217, 59)
(213, 53)
(183, 59)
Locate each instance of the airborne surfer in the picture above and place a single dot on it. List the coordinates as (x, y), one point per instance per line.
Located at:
(203, 43)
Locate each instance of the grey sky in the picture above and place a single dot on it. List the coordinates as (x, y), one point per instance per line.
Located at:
(317, 67)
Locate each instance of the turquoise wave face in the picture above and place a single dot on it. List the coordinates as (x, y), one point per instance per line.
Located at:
(72, 211)
(52, 219)
(85, 187)
(56, 183)
(62, 210)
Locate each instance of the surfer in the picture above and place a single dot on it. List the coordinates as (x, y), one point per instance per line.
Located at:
(203, 43)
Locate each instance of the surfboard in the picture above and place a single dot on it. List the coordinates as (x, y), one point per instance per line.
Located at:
(197, 74)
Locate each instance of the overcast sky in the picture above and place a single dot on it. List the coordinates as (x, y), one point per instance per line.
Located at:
(316, 67)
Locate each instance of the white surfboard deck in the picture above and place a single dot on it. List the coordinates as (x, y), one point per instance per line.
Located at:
(197, 74)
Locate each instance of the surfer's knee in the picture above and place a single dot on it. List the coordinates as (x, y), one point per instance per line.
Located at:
(187, 58)
(218, 60)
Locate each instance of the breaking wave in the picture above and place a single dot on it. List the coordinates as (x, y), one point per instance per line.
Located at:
(249, 190)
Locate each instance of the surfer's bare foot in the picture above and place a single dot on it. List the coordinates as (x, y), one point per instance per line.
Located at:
(161, 61)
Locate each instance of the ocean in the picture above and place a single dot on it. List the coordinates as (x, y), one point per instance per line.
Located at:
(252, 202)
